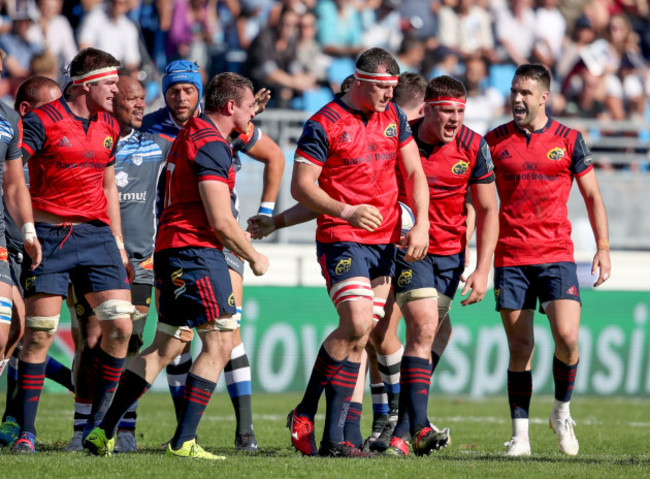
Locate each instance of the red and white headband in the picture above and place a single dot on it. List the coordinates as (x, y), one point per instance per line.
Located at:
(95, 75)
(446, 101)
(375, 77)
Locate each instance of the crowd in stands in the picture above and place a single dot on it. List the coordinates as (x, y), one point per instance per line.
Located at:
(301, 50)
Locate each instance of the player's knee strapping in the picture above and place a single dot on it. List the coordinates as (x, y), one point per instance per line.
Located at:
(49, 324)
(113, 309)
(182, 333)
(350, 290)
(5, 310)
(421, 293)
(378, 311)
(228, 323)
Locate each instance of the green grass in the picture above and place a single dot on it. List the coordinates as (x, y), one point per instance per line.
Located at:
(613, 434)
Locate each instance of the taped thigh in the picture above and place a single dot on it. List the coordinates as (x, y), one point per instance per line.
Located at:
(49, 324)
(444, 305)
(228, 323)
(378, 308)
(350, 290)
(415, 294)
(113, 309)
(182, 333)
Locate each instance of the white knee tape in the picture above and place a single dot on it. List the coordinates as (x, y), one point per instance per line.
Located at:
(444, 305)
(49, 324)
(414, 294)
(229, 323)
(113, 309)
(5, 310)
(182, 333)
(350, 290)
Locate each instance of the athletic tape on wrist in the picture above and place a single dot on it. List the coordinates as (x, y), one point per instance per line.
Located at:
(28, 232)
(266, 208)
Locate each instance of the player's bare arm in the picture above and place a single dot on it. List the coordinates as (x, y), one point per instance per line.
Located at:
(305, 190)
(260, 226)
(267, 151)
(415, 241)
(216, 201)
(487, 218)
(590, 191)
(16, 197)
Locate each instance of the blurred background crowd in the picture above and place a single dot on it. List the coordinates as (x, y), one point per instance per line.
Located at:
(301, 50)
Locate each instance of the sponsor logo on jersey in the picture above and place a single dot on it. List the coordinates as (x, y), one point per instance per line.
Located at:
(231, 299)
(405, 278)
(556, 154)
(343, 266)
(529, 165)
(178, 282)
(121, 179)
(108, 142)
(64, 142)
(391, 130)
(460, 168)
(88, 154)
(504, 155)
(588, 160)
(136, 160)
(345, 138)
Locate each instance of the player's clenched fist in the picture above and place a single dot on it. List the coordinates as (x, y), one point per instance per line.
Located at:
(259, 265)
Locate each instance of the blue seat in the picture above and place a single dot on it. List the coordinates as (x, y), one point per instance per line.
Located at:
(501, 77)
(339, 70)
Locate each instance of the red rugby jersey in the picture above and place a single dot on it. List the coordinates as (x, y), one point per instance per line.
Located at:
(534, 174)
(450, 169)
(358, 154)
(67, 158)
(199, 153)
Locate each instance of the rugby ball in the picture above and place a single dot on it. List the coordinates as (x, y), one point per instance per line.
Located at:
(408, 219)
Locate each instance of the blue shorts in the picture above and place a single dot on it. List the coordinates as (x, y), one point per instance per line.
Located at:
(518, 287)
(439, 272)
(194, 286)
(85, 254)
(16, 266)
(340, 261)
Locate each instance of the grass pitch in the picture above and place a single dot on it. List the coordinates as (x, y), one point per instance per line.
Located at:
(613, 432)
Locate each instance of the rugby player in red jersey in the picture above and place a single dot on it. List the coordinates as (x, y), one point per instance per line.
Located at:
(344, 170)
(190, 268)
(535, 161)
(70, 147)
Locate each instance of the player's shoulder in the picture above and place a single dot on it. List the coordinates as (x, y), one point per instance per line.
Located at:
(557, 129)
(500, 133)
(333, 112)
(8, 114)
(467, 139)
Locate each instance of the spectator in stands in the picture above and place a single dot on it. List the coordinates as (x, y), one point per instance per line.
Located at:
(53, 31)
(310, 53)
(484, 105)
(515, 31)
(248, 24)
(466, 28)
(443, 61)
(339, 28)
(419, 18)
(272, 61)
(18, 47)
(191, 31)
(381, 25)
(106, 27)
(411, 54)
(583, 35)
(46, 65)
(550, 31)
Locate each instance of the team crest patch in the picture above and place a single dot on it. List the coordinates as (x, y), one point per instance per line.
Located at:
(137, 160)
(460, 168)
(147, 263)
(108, 142)
(343, 266)
(497, 293)
(391, 130)
(4, 255)
(231, 299)
(556, 154)
(405, 278)
(29, 282)
(79, 310)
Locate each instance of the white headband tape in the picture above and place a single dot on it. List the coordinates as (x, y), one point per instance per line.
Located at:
(375, 77)
(95, 75)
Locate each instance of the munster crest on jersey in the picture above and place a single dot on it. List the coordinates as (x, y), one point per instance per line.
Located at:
(108, 142)
(391, 130)
(556, 154)
(460, 168)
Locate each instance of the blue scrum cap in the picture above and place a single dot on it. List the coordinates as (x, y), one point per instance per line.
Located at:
(182, 71)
